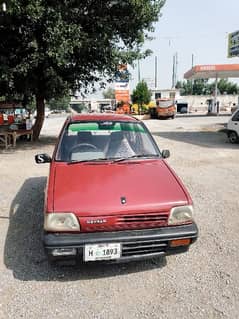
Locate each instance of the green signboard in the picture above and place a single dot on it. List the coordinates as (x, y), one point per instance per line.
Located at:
(233, 44)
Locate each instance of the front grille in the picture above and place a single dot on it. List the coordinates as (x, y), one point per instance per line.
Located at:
(124, 222)
(149, 219)
(143, 247)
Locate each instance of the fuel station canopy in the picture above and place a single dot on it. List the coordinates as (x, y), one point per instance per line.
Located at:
(217, 71)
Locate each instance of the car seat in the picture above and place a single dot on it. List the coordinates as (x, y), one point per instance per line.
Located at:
(84, 137)
(119, 146)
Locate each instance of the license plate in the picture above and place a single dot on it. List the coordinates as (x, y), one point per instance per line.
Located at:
(102, 252)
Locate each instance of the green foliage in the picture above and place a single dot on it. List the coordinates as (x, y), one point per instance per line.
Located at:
(144, 109)
(109, 93)
(48, 47)
(60, 103)
(185, 87)
(141, 94)
(202, 87)
(226, 87)
(31, 105)
(80, 108)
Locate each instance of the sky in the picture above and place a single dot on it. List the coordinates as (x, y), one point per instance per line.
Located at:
(188, 27)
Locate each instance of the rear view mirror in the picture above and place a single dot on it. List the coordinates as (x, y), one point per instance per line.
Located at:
(165, 153)
(42, 158)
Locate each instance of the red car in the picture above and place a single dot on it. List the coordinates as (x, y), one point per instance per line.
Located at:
(111, 196)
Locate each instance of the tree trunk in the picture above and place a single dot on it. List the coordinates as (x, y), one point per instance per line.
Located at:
(140, 108)
(40, 106)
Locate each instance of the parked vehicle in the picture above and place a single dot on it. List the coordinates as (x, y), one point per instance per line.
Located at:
(233, 127)
(165, 108)
(234, 108)
(111, 196)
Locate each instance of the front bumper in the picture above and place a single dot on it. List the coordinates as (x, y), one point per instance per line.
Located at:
(136, 244)
(164, 114)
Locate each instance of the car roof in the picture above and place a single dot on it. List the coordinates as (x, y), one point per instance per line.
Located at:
(102, 117)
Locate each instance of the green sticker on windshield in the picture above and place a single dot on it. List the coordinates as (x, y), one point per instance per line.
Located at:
(110, 126)
(89, 126)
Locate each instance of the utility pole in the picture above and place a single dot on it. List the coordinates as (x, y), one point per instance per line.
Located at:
(173, 72)
(138, 71)
(156, 72)
(192, 82)
(175, 68)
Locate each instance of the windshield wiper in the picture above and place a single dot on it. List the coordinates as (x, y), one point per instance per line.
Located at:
(113, 159)
(135, 156)
(88, 160)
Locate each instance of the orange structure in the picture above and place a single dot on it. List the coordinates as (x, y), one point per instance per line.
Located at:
(213, 71)
(122, 95)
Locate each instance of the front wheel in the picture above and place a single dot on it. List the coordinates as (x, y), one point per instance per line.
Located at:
(233, 137)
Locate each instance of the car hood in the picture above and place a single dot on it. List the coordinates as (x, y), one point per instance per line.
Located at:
(101, 188)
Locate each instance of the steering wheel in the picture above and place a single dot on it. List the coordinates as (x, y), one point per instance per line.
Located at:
(83, 147)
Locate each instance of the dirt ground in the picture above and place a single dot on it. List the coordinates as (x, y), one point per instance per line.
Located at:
(202, 283)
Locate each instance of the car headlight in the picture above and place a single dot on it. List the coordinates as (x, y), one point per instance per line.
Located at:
(180, 215)
(61, 222)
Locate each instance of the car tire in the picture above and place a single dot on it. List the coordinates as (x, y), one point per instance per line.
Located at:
(233, 137)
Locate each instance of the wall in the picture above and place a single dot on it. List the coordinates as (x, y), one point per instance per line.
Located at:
(198, 103)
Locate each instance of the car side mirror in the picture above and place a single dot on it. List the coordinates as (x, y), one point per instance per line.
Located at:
(42, 158)
(165, 153)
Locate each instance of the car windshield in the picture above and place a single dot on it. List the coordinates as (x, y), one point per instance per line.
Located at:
(105, 140)
(164, 103)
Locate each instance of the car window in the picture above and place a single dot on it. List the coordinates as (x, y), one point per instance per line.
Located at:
(104, 140)
(236, 116)
(165, 103)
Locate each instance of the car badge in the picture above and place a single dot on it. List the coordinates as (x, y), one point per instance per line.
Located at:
(123, 200)
(96, 221)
